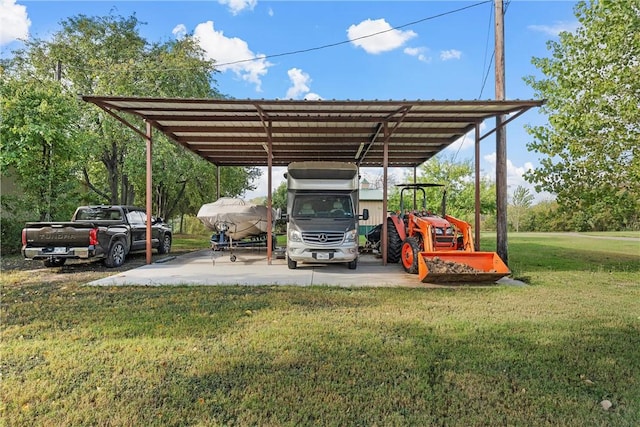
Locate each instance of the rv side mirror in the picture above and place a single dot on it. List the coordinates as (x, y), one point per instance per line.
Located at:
(278, 214)
(365, 214)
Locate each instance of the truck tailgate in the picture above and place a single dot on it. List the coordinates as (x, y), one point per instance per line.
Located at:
(58, 233)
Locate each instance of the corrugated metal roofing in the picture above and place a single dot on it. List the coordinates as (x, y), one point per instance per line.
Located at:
(242, 132)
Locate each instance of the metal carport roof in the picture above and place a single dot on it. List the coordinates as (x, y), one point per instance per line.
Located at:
(241, 132)
(278, 132)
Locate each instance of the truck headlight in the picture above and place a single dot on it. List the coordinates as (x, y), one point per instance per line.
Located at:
(295, 236)
(350, 236)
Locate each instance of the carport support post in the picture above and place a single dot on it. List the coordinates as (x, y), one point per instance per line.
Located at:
(385, 166)
(477, 195)
(269, 201)
(149, 190)
(218, 181)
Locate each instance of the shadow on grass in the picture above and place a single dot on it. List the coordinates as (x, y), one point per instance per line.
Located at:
(411, 375)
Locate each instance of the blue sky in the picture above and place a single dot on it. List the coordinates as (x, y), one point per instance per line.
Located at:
(424, 50)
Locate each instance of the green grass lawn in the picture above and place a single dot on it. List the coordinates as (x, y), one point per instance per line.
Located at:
(544, 354)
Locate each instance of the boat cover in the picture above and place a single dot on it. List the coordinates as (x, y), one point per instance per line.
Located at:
(241, 219)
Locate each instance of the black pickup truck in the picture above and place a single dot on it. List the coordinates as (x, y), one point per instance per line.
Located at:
(94, 232)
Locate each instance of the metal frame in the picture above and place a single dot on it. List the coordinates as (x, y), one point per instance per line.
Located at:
(277, 132)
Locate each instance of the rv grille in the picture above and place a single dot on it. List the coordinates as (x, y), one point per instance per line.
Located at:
(323, 238)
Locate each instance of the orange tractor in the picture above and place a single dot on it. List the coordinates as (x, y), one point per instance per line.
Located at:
(438, 248)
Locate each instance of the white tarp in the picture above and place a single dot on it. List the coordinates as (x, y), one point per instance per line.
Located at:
(241, 219)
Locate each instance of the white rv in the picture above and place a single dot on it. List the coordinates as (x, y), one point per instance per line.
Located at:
(322, 213)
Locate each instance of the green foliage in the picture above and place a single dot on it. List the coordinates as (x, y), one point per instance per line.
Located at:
(592, 140)
(520, 202)
(38, 144)
(279, 197)
(108, 56)
(459, 184)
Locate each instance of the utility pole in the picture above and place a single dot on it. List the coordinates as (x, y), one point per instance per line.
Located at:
(501, 139)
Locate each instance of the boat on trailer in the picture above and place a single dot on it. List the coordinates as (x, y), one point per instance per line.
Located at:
(236, 223)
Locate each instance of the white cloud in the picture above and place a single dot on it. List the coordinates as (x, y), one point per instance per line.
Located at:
(232, 54)
(237, 6)
(555, 29)
(515, 177)
(300, 86)
(277, 178)
(179, 31)
(389, 39)
(464, 143)
(270, 12)
(447, 55)
(14, 22)
(418, 52)
(312, 97)
(299, 80)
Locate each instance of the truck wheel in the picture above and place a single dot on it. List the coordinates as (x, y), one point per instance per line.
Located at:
(291, 264)
(115, 257)
(353, 264)
(165, 244)
(394, 242)
(54, 262)
(410, 254)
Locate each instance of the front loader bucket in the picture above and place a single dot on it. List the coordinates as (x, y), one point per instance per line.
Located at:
(460, 266)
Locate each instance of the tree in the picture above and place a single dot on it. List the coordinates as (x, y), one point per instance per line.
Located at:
(458, 182)
(108, 56)
(592, 139)
(38, 145)
(520, 202)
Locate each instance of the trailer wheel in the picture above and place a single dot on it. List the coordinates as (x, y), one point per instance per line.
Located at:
(115, 257)
(165, 244)
(394, 242)
(54, 262)
(232, 258)
(410, 254)
(291, 264)
(353, 264)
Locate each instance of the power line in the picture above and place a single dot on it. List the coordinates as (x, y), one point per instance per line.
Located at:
(484, 80)
(358, 38)
(326, 46)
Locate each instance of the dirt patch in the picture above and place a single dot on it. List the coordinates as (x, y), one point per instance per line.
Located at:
(18, 271)
(440, 266)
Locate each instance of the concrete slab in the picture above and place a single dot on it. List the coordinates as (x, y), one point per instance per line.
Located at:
(250, 268)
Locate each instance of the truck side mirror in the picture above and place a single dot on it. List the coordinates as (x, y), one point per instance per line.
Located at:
(365, 214)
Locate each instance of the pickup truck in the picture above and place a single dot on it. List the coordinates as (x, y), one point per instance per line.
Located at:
(94, 232)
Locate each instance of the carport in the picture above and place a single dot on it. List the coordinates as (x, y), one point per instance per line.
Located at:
(276, 132)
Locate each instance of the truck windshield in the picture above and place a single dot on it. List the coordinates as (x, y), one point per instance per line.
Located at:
(322, 206)
(98, 214)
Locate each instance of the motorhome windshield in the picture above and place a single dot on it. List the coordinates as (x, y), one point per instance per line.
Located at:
(322, 206)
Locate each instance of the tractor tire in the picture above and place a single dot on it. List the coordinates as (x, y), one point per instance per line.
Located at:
(394, 243)
(410, 254)
(116, 255)
(54, 262)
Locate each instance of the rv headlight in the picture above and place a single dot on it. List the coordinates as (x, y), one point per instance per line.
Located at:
(295, 236)
(350, 236)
